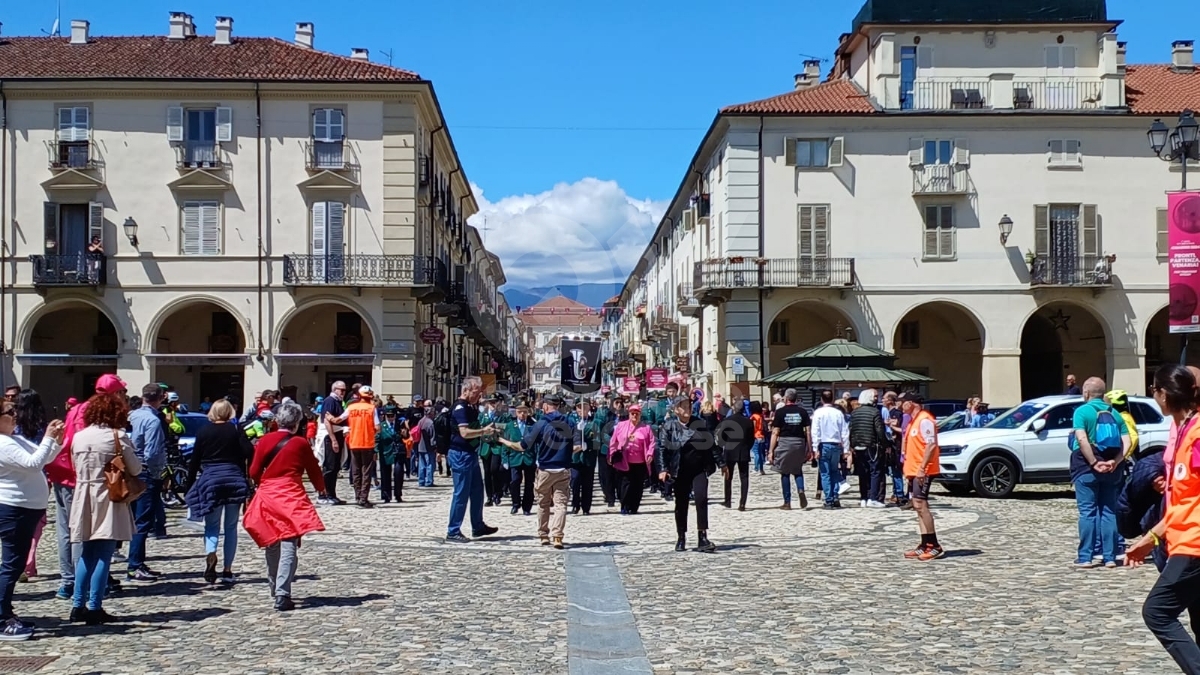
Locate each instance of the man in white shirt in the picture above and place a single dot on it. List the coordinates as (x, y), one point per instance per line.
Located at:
(831, 436)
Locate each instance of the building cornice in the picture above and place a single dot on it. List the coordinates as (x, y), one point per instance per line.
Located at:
(223, 90)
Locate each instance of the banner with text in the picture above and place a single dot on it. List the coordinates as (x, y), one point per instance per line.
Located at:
(631, 385)
(580, 361)
(656, 379)
(1183, 261)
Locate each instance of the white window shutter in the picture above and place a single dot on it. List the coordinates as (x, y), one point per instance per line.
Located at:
(320, 124)
(1052, 59)
(1089, 238)
(210, 228)
(916, 152)
(191, 228)
(962, 152)
(82, 123)
(224, 124)
(319, 238)
(1041, 230)
(837, 151)
(946, 234)
(821, 231)
(337, 125)
(66, 124)
(1068, 57)
(789, 151)
(95, 221)
(805, 231)
(175, 123)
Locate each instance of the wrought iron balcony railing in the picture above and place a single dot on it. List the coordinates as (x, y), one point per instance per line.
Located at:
(78, 269)
(731, 273)
(72, 155)
(199, 155)
(1092, 271)
(358, 270)
(328, 155)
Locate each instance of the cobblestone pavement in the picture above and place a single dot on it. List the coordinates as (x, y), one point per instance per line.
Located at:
(788, 592)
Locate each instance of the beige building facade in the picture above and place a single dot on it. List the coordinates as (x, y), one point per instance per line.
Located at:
(227, 215)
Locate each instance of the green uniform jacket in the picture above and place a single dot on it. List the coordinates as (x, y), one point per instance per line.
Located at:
(593, 440)
(487, 446)
(513, 458)
(603, 431)
(388, 444)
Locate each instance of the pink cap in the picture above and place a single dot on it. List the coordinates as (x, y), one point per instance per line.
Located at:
(72, 401)
(110, 384)
(635, 406)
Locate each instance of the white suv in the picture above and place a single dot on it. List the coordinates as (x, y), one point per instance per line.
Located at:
(1028, 444)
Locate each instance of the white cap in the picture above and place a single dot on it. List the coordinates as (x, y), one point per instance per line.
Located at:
(365, 389)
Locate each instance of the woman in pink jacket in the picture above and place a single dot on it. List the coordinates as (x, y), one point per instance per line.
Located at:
(631, 453)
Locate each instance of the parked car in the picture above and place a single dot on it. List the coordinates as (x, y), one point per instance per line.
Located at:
(1028, 444)
(192, 423)
(943, 408)
(175, 479)
(959, 419)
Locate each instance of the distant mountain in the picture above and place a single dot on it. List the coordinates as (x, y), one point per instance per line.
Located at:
(592, 295)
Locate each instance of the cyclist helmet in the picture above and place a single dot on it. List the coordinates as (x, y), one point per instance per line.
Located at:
(266, 415)
(1117, 397)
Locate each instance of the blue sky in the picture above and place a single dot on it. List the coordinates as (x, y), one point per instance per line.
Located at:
(541, 95)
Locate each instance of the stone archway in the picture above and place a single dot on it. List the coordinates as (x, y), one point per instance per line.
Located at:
(802, 325)
(1061, 338)
(198, 348)
(323, 342)
(68, 348)
(944, 341)
(1164, 347)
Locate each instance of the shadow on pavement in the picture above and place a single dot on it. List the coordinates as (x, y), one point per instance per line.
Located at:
(340, 600)
(963, 553)
(58, 626)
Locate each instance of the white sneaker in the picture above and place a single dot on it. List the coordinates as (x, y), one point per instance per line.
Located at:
(863, 503)
(872, 504)
(843, 488)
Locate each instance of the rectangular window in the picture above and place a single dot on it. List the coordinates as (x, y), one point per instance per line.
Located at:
(910, 335)
(74, 125)
(201, 228)
(939, 232)
(1161, 239)
(1067, 232)
(1060, 58)
(938, 152)
(778, 333)
(814, 153)
(812, 231)
(1064, 153)
(329, 132)
(327, 240)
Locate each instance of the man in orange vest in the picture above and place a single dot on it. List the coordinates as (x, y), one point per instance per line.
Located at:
(363, 423)
(921, 457)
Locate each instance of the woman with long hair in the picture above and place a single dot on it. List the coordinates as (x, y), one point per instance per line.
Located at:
(221, 456)
(24, 494)
(31, 424)
(1178, 587)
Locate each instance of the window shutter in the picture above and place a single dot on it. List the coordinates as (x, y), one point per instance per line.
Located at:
(175, 123)
(1068, 56)
(95, 221)
(924, 57)
(336, 227)
(50, 227)
(805, 231)
(210, 228)
(318, 229)
(821, 231)
(931, 232)
(1090, 232)
(1056, 152)
(320, 124)
(946, 238)
(837, 151)
(1052, 60)
(1071, 152)
(66, 124)
(789, 151)
(1162, 242)
(224, 124)
(962, 153)
(337, 125)
(81, 123)
(1041, 230)
(191, 228)
(916, 152)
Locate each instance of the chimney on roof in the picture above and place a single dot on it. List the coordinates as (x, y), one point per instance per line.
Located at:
(360, 54)
(1121, 48)
(79, 32)
(224, 31)
(189, 28)
(304, 34)
(178, 26)
(1181, 55)
(810, 76)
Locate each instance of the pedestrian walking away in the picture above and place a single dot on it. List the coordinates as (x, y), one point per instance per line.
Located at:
(217, 486)
(551, 440)
(831, 436)
(790, 448)
(868, 440)
(736, 433)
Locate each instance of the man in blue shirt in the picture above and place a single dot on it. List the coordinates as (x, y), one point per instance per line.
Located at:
(463, 458)
(1100, 439)
(150, 443)
(551, 438)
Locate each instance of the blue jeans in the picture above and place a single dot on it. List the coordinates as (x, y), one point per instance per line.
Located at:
(17, 525)
(898, 485)
(91, 573)
(787, 486)
(145, 516)
(212, 529)
(1096, 496)
(831, 470)
(425, 462)
(468, 489)
(758, 452)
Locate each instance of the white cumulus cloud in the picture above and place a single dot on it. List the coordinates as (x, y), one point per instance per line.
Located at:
(582, 232)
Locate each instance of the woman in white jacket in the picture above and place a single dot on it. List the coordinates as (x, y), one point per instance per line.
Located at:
(24, 495)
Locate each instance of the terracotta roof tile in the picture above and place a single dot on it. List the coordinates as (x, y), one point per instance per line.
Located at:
(559, 302)
(838, 97)
(162, 58)
(1160, 90)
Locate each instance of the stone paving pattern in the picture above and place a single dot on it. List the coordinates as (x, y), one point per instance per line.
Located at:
(789, 592)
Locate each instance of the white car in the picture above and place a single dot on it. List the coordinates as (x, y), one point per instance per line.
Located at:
(1028, 444)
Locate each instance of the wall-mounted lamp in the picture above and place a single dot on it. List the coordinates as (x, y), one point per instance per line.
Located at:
(130, 228)
(1006, 225)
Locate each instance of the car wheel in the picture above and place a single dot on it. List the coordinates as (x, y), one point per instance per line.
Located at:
(994, 477)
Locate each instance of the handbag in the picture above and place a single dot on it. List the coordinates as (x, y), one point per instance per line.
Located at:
(122, 487)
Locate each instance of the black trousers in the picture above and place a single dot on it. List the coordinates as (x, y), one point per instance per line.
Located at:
(694, 479)
(583, 484)
(330, 466)
(518, 476)
(743, 469)
(609, 482)
(17, 525)
(1177, 589)
(633, 484)
(869, 466)
(495, 478)
(389, 475)
(361, 464)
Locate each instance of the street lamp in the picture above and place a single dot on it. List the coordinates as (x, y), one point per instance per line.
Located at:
(1006, 225)
(130, 226)
(1178, 145)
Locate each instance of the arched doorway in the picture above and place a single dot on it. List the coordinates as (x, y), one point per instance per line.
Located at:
(68, 349)
(323, 343)
(1060, 339)
(199, 350)
(803, 325)
(1163, 347)
(943, 341)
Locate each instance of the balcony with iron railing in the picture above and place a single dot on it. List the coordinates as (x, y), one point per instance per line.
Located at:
(941, 179)
(733, 273)
(199, 155)
(947, 94)
(1021, 93)
(322, 155)
(1088, 271)
(79, 155)
(689, 304)
(358, 270)
(1057, 93)
(77, 269)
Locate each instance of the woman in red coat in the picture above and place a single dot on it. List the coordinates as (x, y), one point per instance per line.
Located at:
(281, 512)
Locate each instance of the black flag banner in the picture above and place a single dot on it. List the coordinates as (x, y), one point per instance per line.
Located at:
(580, 366)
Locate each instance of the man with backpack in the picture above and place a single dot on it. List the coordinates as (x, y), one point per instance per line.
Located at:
(1098, 443)
(443, 429)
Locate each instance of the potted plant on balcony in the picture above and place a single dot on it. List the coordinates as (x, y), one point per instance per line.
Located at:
(1029, 257)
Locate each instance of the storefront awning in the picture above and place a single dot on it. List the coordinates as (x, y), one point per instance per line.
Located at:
(106, 360)
(326, 359)
(199, 359)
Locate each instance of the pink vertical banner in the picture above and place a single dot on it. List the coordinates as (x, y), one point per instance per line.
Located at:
(631, 385)
(656, 379)
(1183, 261)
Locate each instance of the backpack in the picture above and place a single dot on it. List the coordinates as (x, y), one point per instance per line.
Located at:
(443, 429)
(1107, 436)
(415, 433)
